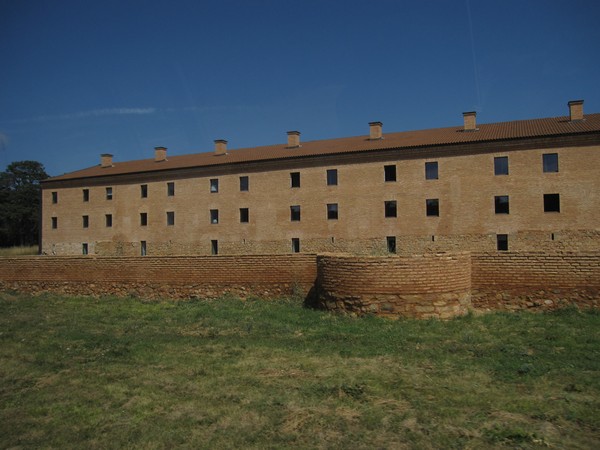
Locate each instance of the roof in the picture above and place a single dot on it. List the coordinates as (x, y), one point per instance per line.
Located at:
(555, 126)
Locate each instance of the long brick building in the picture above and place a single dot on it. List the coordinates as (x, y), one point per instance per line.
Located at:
(521, 185)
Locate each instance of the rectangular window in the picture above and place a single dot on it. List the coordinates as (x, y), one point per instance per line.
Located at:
(295, 213)
(501, 204)
(332, 177)
(86, 221)
(432, 206)
(391, 209)
(389, 173)
(295, 179)
(214, 216)
(84, 248)
(143, 219)
(391, 244)
(244, 184)
(170, 218)
(170, 189)
(295, 245)
(551, 202)
(143, 250)
(214, 185)
(144, 190)
(550, 162)
(332, 211)
(431, 170)
(244, 215)
(502, 242)
(501, 165)
(54, 197)
(214, 247)
(108, 218)
(86, 195)
(55, 222)
(109, 193)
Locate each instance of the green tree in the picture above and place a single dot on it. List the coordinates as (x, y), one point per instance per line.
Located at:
(20, 203)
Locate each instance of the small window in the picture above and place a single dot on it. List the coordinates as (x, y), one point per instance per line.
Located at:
(84, 248)
(295, 213)
(54, 197)
(332, 211)
(108, 218)
(170, 189)
(295, 245)
(214, 185)
(389, 173)
(144, 190)
(214, 216)
(214, 247)
(295, 179)
(244, 184)
(170, 218)
(550, 162)
(391, 209)
(391, 244)
(501, 165)
(143, 219)
(86, 195)
(109, 193)
(551, 202)
(332, 177)
(502, 242)
(244, 215)
(501, 204)
(432, 206)
(55, 222)
(143, 250)
(86, 221)
(431, 170)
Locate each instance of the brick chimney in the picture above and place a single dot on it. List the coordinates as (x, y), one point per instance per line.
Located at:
(375, 130)
(220, 147)
(576, 110)
(470, 121)
(160, 154)
(106, 160)
(293, 139)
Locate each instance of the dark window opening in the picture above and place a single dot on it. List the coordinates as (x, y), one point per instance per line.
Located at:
(502, 242)
(214, 185)
(431, 170)
(214, 216)
(501, 165)
(501, 204)
(550, 162)
(332, 177)
(214, 247)
(86, 221)
(109, 221)
(143, 250)
(84, 248)
(432, 206)
(86, 195)
(295, 245)
(332, 211)
(244, 183)
(170, 218)
(55, 222)
(391, 209)
(109, 193)
(144, 190)
(143, 219)
(244, 215)
(551, 202)
(391, 244)
(170, 189)
(295, 179)
(295, 213)
(55, 197)
(389, 173)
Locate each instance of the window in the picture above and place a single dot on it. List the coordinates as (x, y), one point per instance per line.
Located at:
(501, 204)
(143, 219)
(86, 195)
(391, 244)
(143, 250)
(332, 177)
(295, 245)
(84, 248)
(55, 222)
(501, 165)
(109, 193)
(244, 215)
(170, 218)
(214, 185)
(144, 190)
(214, 216)
(390, 209)
(295, 179)
(551, 202)
(550, 162)
(86, 221)
(389, 173)
(432, 206)
(295, 213)
(170, 189)
(214, 247)
(244, 184)
(502, 242)
(54, 197)
(332, 211)
(108, 219)
(431, 170)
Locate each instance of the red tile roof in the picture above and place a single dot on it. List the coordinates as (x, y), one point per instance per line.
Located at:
(406, 139)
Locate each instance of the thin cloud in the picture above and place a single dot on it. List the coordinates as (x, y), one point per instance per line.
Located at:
(90, 113)
(3, 141)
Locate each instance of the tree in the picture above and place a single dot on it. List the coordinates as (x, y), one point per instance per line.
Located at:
(20, 203)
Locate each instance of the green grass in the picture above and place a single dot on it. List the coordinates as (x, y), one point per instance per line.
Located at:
(19, 251)
(114, 373)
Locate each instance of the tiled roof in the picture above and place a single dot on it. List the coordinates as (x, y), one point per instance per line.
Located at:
(406, 139)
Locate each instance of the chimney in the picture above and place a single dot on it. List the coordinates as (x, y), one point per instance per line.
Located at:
(220, 147)
(375, 131)
(293, 139)
(470, 121)
(106, 160)
(576, 110)
(160, 154)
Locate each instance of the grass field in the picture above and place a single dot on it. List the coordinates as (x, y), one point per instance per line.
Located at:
(19, 251)
(110, 373)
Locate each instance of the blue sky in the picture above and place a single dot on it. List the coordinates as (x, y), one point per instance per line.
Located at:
(79, 78)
